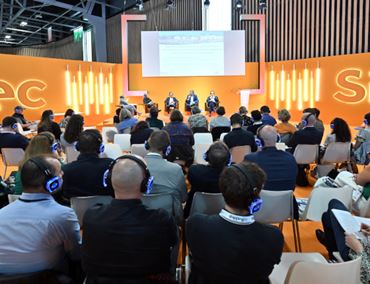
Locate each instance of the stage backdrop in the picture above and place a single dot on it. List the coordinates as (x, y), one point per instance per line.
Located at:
(42, 83)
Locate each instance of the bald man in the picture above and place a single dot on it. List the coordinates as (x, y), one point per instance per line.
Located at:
(124, 239)
(308, 134)
(280, 166)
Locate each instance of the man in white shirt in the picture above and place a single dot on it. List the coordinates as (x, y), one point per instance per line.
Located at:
(168, 177)
(37, 232)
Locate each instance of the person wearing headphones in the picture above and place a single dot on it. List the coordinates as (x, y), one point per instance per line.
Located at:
(308, 134)
(36, 232)
(83, 177)
(168, 176)
(124, 240)
(9, 136)
(231, 247)
(364, 134)
(204, 178)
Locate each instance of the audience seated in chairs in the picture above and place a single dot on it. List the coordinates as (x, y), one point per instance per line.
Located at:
(116, 117)
(47, 123)
(182, 139)
(153, 119)
(127, 121)
(266, 117)
(41, 144)
(84, 177)
(220, 120)
(319, 125)
(340, 132)
(36, 232)
(334, 238)
(364, 134)
(124, 240)
(140, 133)
(246, 119)
(168, 177)
(9, 136)
(257, 121)
(231, 247)
(67, 115)
(73, 130)
(198, 123)
(284, 128)
(204, 178)
(239, 136)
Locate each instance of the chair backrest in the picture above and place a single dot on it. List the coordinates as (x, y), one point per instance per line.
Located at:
(162, 200)
(112, 151)
(216, 131)
(203, 138)
(320, 197)
(337, 152)
(105, 131)
(71, 154)
(139, 149)
(277, 207)
(238, 153)
(207, 203)
(12, 156)
(306, 154)
(307, 272)
(222, 136)
(123, 140)
(13, 197)
(82, 203)
(199, 151)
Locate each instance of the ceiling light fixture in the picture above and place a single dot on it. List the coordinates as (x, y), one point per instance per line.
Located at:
(170, 4)
(207, 3)
(239, 5)
(23, 24)
(8, 37)
(139, 5)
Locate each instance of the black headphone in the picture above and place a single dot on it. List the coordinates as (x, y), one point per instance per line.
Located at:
(147, 183)
(166, 151)
(229, 158)
(54, 145)
(257, 201)
(101, 147)
(52, 182)
(304, 122)
(259, 140)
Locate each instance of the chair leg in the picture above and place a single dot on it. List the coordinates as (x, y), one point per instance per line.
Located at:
(5, 172)
(298, 235)
(295, 236)
(281, 226)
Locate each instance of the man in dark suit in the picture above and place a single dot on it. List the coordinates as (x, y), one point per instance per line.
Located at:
(239, 136)
(191, 100)
(9, 136)
(212, 102)
(279, 166)
(84, 177)
(308, 134)
(171, 102)
(230, 247)
(125, 240)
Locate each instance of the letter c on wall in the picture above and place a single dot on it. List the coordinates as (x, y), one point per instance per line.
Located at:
(25, 99)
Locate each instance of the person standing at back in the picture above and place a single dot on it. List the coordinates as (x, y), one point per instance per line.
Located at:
(231, 247)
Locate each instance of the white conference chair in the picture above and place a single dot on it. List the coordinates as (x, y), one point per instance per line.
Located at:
(335, 153)
(112, 151)
(71, 154)
(222, 136)
(82, 203)
(306, 154)
(238, 153)
(11, 157)
(203, 138)
(123, 140)
(207, 203)
(199, 151)
(108, 133)
(139, 149)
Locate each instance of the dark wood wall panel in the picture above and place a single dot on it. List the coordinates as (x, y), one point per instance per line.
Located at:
(307, 28)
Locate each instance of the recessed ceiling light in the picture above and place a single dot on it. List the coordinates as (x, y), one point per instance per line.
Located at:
(38, 16)
(8, 37)
(23, 23)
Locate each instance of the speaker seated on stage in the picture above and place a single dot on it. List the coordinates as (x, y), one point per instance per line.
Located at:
(36, 232)
(84, 177)
(197, 121)
(212, 102)
(171, 103)
(191, 100)
(124, 240)
(148, 103)
(204, 178)
(231, 247)
(239, 136)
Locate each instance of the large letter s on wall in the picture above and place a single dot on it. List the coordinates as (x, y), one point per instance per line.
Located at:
(355, 93)
(24, 98)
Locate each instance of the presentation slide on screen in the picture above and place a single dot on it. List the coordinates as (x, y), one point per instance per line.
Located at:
(193, 53)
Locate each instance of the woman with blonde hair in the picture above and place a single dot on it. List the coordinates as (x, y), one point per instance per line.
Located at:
(42, 144)
(284, 128)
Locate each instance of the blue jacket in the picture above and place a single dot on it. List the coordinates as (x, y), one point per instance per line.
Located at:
(268, 119)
